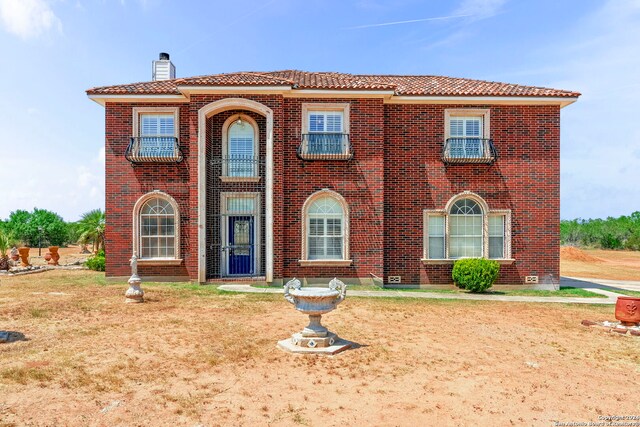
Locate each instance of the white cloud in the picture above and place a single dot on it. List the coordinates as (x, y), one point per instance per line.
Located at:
(28, 18)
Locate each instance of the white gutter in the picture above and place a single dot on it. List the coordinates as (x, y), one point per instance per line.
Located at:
(103, 98)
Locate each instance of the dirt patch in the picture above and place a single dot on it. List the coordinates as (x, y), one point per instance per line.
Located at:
(571, 253)
(191, 355)
(600, 264)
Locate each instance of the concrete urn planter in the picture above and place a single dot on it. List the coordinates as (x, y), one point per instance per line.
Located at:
(628, 310)
(55, 256)
(24, 256)
(314, 302)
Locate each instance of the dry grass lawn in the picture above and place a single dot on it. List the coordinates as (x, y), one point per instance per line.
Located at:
(193, 356)
(600, 264)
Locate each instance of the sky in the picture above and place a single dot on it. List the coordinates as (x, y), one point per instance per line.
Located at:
(51, 51)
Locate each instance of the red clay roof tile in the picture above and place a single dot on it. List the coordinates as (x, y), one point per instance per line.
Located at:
(400, 85)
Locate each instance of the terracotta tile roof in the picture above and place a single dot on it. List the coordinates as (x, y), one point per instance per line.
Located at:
(400, 85)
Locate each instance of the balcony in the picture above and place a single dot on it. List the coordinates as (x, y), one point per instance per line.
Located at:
(237, 168)
(154, 149)
(325, 146)
(469, 150)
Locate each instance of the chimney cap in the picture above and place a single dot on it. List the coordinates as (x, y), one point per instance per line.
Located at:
(163, 56)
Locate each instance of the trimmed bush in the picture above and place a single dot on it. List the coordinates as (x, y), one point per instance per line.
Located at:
(475, 274)
(96, 262)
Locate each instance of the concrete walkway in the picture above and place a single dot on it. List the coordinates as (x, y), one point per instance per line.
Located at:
(586, 284)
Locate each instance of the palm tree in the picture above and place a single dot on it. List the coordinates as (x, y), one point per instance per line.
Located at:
(91, 228)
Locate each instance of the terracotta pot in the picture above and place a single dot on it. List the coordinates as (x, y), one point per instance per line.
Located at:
(24, 256)
(55, 256)
(628, 310)
(47, 256)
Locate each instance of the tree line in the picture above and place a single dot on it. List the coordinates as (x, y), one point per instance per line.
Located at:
(45, 228)
(611, 233)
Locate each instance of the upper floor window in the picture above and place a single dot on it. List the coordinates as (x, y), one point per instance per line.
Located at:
(155, 135)
(467, 137)
(325, 132)
(240, 148)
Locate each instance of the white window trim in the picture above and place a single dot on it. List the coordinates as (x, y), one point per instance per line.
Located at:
(322, 107)
(486, 213)
(138, 111)
(467, 112)
(304, 259)
(224, 226)
(307, 108)
(176, 260)
(225, 148)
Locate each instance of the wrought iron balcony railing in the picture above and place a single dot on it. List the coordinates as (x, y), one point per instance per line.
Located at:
(237, 166)
(469, 150)
(159, 149)
(325, 146)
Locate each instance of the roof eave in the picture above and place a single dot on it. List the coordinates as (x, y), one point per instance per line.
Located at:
(562, 101)
(103, 98)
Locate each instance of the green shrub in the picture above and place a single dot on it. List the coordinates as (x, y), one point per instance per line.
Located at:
(475, 274)
(96, 262)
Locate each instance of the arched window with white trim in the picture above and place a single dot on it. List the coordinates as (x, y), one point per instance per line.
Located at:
(467, 228)
(240, 147)
(326, 228)
(156, 227)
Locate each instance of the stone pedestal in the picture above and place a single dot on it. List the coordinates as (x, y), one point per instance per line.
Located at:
(330, 344)
(134, 293)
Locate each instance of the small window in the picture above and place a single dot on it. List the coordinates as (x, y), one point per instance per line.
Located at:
(325, 132)
(155, 136)
(496, 236)
(467, 137)
(436, 237)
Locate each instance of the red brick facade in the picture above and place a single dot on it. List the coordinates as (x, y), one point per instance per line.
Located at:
(396, 173)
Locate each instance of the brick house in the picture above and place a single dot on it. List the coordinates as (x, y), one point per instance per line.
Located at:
(271, 175)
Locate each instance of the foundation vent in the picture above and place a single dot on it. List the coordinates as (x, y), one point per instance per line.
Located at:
(394, 279)
(531, 280)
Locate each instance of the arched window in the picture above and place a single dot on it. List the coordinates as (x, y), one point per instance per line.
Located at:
(467, 228)
(326, 228)
(240, 146)
(156, 228)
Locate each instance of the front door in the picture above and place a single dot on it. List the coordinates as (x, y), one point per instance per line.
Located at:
(240, 245)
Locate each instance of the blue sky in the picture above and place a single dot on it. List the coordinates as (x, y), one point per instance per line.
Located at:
(52, 136)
